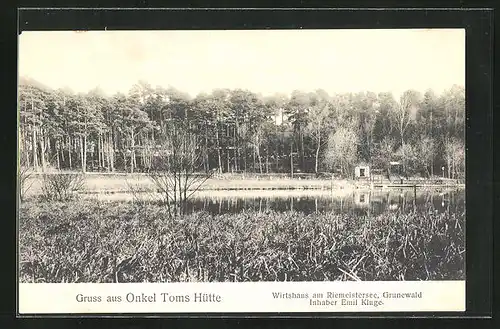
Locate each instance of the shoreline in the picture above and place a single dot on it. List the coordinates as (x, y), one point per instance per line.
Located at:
(98, 183)
(360, 188)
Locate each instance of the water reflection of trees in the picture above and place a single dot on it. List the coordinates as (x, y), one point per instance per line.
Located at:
(358, 203)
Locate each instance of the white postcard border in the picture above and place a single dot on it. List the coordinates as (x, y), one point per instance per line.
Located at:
(244, 297)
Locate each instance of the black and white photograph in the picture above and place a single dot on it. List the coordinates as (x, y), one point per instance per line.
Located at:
(177, 156)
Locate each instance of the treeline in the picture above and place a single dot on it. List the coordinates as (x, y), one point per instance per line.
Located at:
(241, 131)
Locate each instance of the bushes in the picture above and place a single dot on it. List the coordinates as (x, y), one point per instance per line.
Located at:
(112, 242)
(61, 185)
(24, 180)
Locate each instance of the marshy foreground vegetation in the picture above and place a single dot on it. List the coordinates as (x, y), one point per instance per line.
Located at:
(90, 241)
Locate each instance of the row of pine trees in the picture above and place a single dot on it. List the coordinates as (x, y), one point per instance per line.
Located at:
(241, 131)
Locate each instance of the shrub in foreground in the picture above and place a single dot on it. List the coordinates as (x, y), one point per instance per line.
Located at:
(61, 186)
(116, 242)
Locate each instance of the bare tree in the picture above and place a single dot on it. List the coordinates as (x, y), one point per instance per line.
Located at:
(61, 186)
(24, 177)
(384, 154)
(426, 150)
(342, 150)
(176, 167)
(317, 123)
(407, 155)
(405, 113)
(256, 142)
(455, 156)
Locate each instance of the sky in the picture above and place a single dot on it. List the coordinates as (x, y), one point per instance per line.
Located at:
(263, 61)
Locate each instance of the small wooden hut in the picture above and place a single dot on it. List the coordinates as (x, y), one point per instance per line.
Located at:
(362, 170)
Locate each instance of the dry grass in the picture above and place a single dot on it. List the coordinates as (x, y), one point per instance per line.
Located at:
(89, 241)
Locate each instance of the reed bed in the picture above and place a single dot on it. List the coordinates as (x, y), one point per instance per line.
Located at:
(91, 241)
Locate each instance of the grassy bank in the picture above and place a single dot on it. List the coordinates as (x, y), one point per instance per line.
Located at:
(89, 241)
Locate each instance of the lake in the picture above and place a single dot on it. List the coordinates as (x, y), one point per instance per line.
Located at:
(359, 202)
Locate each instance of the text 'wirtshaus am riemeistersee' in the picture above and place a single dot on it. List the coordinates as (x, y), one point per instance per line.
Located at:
(332, 298)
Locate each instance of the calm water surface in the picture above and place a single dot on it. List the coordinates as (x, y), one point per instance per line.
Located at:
(309, 201)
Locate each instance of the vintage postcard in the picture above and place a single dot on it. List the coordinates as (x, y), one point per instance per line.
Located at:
(241, 171)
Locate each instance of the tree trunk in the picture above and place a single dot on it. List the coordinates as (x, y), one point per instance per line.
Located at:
(57, 155)
(25, 148)
(260, 159)
(448, 166)
(107, 151)
(207, 161)
(403, 153)
(237, 136)
(111, 154)
(235, 159)
(42, 149)
(452, 168)
(34, 148)
(235, 142)
(253, 160)
(317, 154)
(83, 147)
(81, 153)
(277, 162)
(61, 147)
(218, 147)
(100, 159)
(302, 150)
(85, 152)
(44, 143)
(277, 156)
(245, 159)
(69, 153)
(142, 164)
(34, 139)
(132, 154)
(432, 138)
(267, 162)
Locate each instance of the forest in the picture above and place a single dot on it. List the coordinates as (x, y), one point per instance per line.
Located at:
(239, 131)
